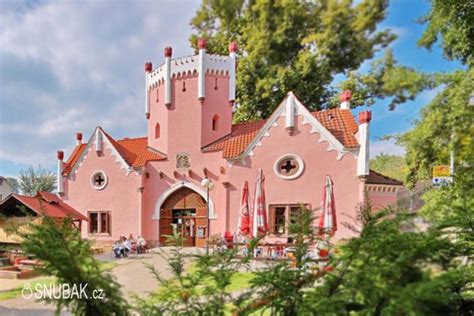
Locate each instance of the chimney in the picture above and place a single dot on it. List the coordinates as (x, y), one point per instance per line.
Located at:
(60, 156)
(364, 155)
(345, 99)
(202, 69)
(168, 53)
(233, 57)
(79, 138)
(148, 69)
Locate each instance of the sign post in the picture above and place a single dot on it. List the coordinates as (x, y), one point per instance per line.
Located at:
(441, 175)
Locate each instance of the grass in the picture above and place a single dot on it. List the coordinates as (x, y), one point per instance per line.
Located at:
(13, 293)
(16, 292)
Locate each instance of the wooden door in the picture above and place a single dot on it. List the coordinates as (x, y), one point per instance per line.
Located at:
(201, 226)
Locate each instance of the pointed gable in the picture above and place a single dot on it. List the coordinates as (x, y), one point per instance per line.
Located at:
(133, 152)
(335, 125)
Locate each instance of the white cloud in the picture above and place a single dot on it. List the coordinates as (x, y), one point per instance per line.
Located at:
(72, 65)
(385, 147)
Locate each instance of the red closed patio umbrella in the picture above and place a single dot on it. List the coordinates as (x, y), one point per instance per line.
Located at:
(327, 216)
(244, 216)
(259, 218)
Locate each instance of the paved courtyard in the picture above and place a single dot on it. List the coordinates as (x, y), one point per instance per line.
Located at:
(131, 273)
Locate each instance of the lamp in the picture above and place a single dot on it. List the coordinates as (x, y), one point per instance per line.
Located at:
(208, 185)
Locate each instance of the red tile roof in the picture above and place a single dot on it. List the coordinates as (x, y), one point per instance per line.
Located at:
(339, 122)
(48, 204)
(235, 143)
(134, 151)
(378, 178)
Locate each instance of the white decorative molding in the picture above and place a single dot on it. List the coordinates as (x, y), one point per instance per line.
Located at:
(147, 96)
(175, 187)
(202, 74)
(98, 141)
(60, 178)
(383, 188)
(290, 111)
(363, 159)
(316, 127)
(93, 141)
(167, 73)
(186, 66)
(93, 175)
(232, 77)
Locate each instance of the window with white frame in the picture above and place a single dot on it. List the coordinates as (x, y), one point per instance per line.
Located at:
(99, 222)
(280, 216)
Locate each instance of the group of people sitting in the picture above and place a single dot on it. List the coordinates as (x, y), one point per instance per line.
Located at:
(124, 246)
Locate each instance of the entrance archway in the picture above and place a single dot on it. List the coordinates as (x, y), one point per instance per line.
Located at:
(186, 210)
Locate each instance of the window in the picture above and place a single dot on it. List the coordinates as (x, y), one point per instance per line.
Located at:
(279, 215)
(215, 122)
(99, 180)
(289, 166)
(99, 223)
(157, 130)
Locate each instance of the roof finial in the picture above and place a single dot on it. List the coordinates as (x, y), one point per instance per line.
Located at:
(168, 51)
(148, 66)
(202, 43)
(233, 47)
(345, 99)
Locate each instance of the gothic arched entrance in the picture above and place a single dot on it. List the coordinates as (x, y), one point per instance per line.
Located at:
(185, 210)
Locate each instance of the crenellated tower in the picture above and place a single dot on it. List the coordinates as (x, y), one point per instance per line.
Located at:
(189, 100)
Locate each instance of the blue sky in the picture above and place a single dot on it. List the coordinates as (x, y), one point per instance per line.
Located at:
(69, 66)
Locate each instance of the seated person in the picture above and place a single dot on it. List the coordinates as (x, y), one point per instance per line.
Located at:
(288, 249)
(118, 249)
(127, 246)
(141, 245)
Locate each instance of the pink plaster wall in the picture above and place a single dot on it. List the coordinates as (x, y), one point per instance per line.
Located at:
(188, 114)
(121, 196)
(216, 102)
(381, 200)
(307, 188)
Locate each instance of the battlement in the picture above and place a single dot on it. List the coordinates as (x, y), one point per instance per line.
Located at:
(201, 65)
(189, 66)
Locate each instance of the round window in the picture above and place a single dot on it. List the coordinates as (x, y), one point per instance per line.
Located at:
(98, 180)
(289, 166)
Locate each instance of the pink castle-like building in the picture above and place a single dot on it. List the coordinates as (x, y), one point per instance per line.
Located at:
(145, 185)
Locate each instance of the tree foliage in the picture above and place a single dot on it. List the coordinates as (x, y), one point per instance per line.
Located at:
(301, 46)
(390, 165)
(68, 257)
(451, 22)
(32, 181)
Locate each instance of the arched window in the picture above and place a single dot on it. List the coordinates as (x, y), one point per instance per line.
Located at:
(157, 130)
(215, 122)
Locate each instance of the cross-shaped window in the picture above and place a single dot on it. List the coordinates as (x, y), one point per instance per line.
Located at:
(287, 166)
(99, 180)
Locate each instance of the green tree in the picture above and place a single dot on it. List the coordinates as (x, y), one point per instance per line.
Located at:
(453, 21)
(32, 181)
(392, 271)
(300, 46)
(68, 257)
(390, 165)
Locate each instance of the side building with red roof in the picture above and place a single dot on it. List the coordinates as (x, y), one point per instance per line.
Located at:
(18, 210)
(150, 185)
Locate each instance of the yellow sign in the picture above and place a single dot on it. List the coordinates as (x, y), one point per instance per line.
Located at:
(441, 171)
